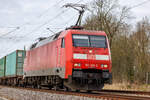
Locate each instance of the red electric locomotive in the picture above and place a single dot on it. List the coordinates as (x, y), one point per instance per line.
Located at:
(74, 59)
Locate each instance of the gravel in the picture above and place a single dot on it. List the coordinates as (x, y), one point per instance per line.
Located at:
(20, 94)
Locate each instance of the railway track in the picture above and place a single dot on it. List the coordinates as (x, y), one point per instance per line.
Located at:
(127, 92)
(103, 95)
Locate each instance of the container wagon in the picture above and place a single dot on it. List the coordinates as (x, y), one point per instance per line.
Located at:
(12, 67)
(2, 67)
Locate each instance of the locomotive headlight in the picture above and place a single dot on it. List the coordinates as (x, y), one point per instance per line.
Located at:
(77, 64)
(105, 66)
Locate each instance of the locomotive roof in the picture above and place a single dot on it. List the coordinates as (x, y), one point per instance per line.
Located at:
(47, 40)
(62, 34)
(90, 32)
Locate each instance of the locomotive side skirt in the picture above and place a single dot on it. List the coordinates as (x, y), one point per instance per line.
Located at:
(46, 72)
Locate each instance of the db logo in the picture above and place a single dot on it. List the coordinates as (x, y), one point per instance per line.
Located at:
(91, 56)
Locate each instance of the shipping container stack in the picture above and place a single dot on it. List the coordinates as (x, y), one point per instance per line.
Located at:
(12, 64)
(2, 66)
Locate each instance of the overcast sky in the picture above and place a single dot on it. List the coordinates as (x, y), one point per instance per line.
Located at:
(34, 16)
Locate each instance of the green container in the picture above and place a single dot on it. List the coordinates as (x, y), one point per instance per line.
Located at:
(14, 63)
(2, 66)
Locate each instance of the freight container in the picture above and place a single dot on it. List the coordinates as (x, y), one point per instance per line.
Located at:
(14, 63)
(2, 66)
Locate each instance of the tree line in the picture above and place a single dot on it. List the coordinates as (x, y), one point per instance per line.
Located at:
(129, 42)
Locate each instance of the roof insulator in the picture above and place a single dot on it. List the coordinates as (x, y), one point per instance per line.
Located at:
(75, 27)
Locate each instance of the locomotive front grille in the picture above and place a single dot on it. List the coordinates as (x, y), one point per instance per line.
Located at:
(90, 74)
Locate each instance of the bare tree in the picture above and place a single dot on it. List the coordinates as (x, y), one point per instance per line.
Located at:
(130, 50)
(107, 16)
(141, 38)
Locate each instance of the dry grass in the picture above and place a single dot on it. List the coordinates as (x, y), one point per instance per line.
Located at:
(131, 87)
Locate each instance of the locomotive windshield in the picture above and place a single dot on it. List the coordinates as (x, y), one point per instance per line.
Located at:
(81, 40)
(89, 41)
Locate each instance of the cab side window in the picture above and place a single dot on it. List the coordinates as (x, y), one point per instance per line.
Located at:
(63, 43)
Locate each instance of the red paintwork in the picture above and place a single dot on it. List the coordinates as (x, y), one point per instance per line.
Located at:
(47, 56)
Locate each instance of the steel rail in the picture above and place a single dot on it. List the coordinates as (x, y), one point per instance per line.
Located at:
(97, 94)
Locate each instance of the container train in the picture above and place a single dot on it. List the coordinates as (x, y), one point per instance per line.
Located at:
(74, 59)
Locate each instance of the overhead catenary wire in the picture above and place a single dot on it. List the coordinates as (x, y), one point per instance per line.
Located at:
(46, 22)
(7, 27)
(57, 3)
(27, 23)
(41, 14)
(135, 6)
(68, 21)
(50, 20)
(140, 4)
(10, 32)
(43, 23)
(56, 16)
(32, 32)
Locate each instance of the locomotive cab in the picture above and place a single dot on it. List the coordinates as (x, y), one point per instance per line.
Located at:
(90, 60)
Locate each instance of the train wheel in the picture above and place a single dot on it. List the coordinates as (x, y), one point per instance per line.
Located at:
(24, 85)
(56, 88)
(77, 90)
(38, 86)
(66, 89)
(89, 91)
(50, 87)
(33, 86)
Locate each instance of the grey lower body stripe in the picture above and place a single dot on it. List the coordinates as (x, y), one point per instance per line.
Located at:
(60, 71)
